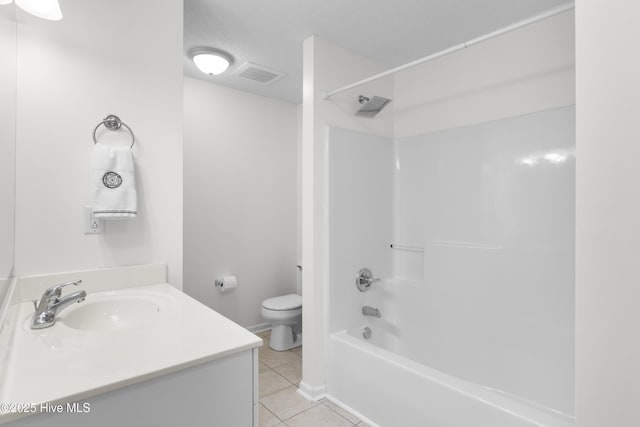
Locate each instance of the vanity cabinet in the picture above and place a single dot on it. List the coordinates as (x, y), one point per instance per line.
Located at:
(222, 392)
(130, 355)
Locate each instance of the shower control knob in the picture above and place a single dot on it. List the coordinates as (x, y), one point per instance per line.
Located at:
(364, 279)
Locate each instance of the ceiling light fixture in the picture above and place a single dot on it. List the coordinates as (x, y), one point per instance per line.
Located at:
(45, 9)
(210, 61)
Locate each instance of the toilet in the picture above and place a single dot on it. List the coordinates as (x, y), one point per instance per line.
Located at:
(284, 313)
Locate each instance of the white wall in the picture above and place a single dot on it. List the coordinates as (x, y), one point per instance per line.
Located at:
(7, 138)
(240, 197)
(124, 59)
(607, 212)
(299, 198)
(326, 67)
(530, 69)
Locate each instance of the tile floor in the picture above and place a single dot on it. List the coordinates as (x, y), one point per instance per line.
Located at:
(281, 405)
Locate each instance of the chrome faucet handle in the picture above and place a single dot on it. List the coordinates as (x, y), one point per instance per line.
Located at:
(364, 279)
(57, 289)
(52, 302)
(35, 304)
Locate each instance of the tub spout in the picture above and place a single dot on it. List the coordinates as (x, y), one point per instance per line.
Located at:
(371, 311)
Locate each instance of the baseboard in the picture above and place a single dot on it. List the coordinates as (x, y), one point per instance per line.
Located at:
(260, 327)
(351, 410)
(312, 394)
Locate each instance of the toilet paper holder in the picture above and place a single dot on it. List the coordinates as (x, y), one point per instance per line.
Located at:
(225, 283)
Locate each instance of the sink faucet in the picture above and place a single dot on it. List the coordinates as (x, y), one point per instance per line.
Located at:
(371, 311)
(51, 304)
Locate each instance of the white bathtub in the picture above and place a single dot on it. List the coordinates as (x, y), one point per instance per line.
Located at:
(393, 391)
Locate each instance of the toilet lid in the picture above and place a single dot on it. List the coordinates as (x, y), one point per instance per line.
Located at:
(285, 302)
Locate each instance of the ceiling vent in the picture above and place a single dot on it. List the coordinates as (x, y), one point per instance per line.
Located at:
(258, 73)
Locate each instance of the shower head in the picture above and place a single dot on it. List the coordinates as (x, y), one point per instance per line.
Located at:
(371, 106)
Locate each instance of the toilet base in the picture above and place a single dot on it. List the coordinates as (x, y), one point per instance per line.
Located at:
(284, 337)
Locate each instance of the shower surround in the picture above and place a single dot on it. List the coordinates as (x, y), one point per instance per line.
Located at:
(477, 296)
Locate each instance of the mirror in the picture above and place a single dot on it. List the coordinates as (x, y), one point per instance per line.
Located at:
(8, 34)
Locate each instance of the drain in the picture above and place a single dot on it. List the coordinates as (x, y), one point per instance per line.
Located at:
(366, 333)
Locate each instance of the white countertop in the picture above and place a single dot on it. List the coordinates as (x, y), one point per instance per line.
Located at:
(62, 364)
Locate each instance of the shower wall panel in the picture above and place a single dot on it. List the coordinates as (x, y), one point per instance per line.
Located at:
(360, 212)
(493, 206)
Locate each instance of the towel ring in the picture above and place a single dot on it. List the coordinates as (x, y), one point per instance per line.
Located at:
(113, 122)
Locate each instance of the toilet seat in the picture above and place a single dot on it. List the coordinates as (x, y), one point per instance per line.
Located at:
(283, 303)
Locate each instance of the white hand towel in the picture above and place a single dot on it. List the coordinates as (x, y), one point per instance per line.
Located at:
(114, 182)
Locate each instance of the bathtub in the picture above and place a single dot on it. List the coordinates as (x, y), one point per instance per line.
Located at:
(391, 390)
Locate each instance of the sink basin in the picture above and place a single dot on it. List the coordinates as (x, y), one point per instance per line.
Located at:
(113, 312)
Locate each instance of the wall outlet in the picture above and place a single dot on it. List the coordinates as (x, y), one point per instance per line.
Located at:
(92, 225)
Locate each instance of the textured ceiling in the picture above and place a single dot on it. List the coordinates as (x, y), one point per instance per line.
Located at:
(391, 32)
